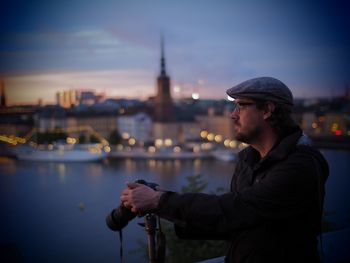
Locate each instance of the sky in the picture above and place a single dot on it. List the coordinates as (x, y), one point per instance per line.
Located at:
(113, 47)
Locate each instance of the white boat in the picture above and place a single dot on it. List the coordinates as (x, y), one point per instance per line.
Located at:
(62, 152)
(224, 155)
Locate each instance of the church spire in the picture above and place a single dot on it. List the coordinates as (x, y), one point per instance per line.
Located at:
(162, 59)
(163, 100)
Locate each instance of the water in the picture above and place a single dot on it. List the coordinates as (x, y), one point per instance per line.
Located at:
(55, 212)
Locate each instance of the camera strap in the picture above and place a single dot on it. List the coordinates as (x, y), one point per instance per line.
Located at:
(121, 246)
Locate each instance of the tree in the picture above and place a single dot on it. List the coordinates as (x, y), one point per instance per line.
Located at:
(50, 137)
(82, 138)
(94, 139)
(115, 137)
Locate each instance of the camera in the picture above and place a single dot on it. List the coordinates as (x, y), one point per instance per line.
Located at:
(120, 217)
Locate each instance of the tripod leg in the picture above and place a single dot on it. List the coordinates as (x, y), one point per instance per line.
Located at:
(150, 227)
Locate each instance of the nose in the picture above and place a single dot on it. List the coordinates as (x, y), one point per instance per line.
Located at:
(234, 114)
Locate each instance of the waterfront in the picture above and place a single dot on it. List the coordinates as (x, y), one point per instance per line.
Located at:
(55, 212)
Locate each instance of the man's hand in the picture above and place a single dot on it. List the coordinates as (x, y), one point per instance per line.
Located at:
(139, 197)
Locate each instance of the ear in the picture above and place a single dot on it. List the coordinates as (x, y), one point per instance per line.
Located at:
(268, 110)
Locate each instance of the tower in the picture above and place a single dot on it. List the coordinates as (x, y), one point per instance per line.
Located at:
(163, 102)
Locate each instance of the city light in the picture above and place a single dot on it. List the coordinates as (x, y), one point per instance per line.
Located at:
(92, 150)
(196, 149)
(334, 127)
(233, 144)
(206, 146)
(132, 141)
(195, 96)
(8, 140)
(151, 149)
(107, 149)
(168, 142)
(204, 134)
(71, 140)
(218, 138)
(158, 143)
(210, 137)
(242, 145)
(338, 132)
(177, 149)
(12, 139)
(125, 135)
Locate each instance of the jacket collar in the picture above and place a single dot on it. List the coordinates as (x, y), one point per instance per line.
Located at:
(279, 152)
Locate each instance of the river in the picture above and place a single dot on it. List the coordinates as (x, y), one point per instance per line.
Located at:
(55, 212)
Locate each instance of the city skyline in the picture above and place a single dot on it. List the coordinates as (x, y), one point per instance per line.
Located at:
(114, 47)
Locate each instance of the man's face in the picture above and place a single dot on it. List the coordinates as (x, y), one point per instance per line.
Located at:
(248, 120)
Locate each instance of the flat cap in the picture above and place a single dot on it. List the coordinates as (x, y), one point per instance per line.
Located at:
(263, 88)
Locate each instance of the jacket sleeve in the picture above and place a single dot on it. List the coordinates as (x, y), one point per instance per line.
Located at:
(287, 190)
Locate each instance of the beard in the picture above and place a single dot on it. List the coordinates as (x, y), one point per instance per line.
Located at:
(248, 136)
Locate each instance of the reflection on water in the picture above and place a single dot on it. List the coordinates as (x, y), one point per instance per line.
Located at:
(61, 170)
(152, 164)
(43, 170)
(8, 166)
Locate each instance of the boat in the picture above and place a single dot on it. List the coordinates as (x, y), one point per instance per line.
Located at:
(62, 152)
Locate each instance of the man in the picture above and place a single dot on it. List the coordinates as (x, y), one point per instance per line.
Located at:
(274, 208)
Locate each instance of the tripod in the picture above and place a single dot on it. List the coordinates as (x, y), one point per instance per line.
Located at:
(156, 238)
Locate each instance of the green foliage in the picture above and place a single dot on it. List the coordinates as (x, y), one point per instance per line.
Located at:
(114, 137)
(196, 184)
(49, 137)
(82, 139)
(94, 139)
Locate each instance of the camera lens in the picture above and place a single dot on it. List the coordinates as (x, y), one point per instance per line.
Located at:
(119, 218)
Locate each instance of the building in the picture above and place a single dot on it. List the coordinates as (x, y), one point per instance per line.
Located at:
(137, 126)
(89, 98)
(104, 123)
(66, 99)
(217, 123)
(16, 121)
(2, 94)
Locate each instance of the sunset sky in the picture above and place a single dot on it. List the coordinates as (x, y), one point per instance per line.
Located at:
(114, 46)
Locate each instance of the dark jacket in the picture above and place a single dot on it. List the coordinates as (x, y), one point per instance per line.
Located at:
(273, 211)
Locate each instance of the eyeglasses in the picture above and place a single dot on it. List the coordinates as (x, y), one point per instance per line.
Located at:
(238, 106)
